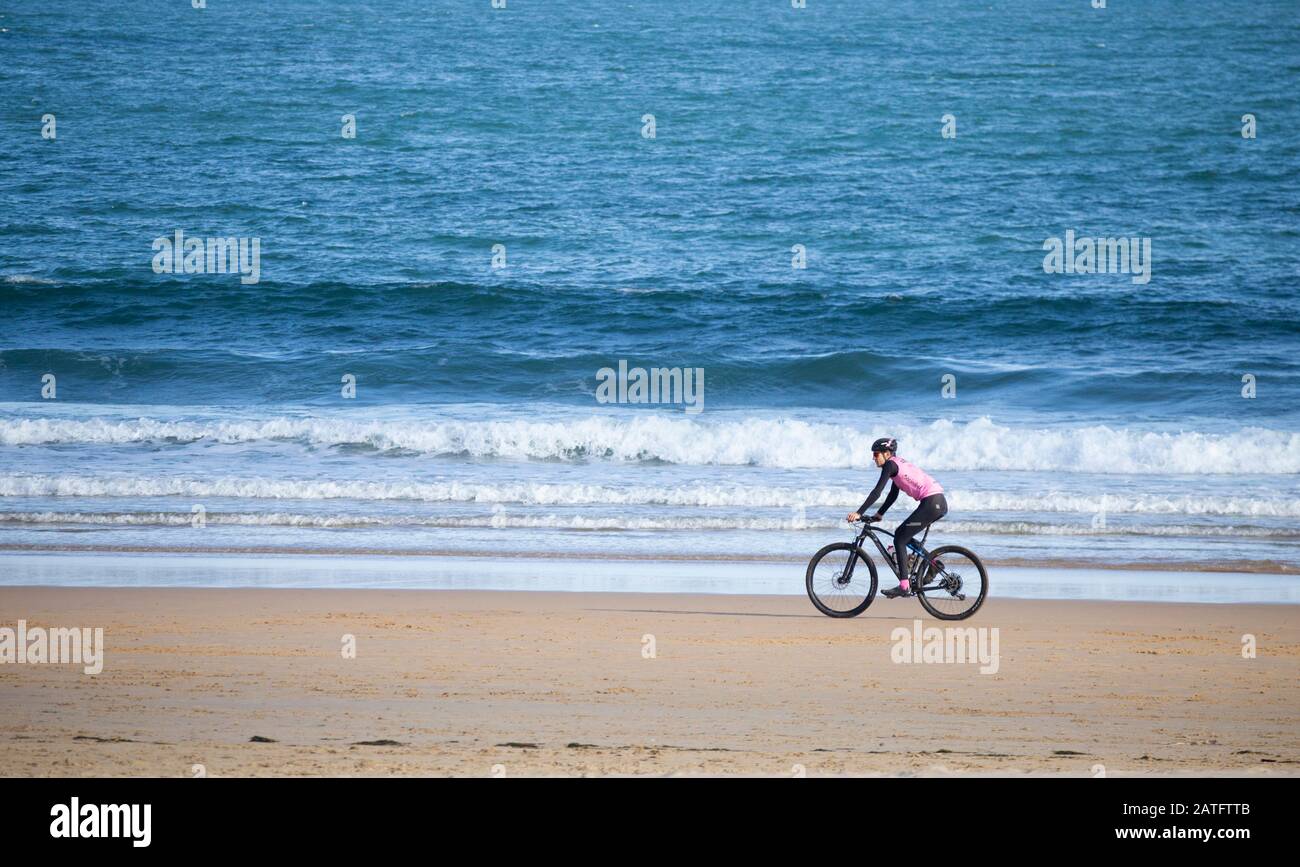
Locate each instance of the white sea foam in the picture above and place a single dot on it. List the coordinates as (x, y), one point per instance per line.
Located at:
(725, 439)
(615, 523)
(569, 494)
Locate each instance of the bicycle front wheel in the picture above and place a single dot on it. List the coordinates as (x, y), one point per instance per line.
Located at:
(955, 586)
(841, 580)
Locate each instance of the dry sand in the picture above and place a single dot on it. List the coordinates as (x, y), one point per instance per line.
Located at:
(523, 684)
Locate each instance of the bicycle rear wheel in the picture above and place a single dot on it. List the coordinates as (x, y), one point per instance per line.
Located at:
(957, 588)
(841, 580)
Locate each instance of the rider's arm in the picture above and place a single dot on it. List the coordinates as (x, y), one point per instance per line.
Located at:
(889, 501)
(887, 472)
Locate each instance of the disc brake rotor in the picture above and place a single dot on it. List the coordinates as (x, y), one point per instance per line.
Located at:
(953, 583)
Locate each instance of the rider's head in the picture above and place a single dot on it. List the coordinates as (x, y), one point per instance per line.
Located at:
(883, 449)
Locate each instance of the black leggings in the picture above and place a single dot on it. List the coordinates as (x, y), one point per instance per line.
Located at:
(929, 510)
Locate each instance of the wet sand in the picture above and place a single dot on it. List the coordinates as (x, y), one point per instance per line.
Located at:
(1221, 565)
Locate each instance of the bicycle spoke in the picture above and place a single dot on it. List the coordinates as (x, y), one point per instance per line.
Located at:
(957, 588)
(836, 591)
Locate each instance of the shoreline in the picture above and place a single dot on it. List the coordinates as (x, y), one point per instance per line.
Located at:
(685, 577)
(1254, 567)
(877, 607)
(251, 682)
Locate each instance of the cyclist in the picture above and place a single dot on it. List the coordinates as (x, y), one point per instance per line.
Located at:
(917, 484)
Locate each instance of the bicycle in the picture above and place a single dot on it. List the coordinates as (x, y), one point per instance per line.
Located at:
(942, 580)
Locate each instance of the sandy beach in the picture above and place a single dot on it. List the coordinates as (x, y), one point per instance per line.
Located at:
(479, 683)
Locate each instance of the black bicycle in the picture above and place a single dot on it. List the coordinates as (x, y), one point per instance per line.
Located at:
(950, 582)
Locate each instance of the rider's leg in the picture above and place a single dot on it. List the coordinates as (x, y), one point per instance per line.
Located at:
(929, 510)
(912, 525)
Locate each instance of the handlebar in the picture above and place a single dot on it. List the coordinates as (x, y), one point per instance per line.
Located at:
(864, 527)
(874, 529)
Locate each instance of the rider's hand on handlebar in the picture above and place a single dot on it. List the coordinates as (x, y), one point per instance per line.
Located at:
(853, 516)
(874, 518)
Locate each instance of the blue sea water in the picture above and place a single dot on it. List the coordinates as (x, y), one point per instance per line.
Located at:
(1094, 418)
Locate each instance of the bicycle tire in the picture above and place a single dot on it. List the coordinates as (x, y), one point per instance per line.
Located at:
(938, 554)
(812, 569)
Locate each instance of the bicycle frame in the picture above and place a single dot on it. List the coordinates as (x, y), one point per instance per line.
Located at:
(872, 531)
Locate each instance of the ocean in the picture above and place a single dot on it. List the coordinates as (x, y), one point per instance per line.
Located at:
(835, 221)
